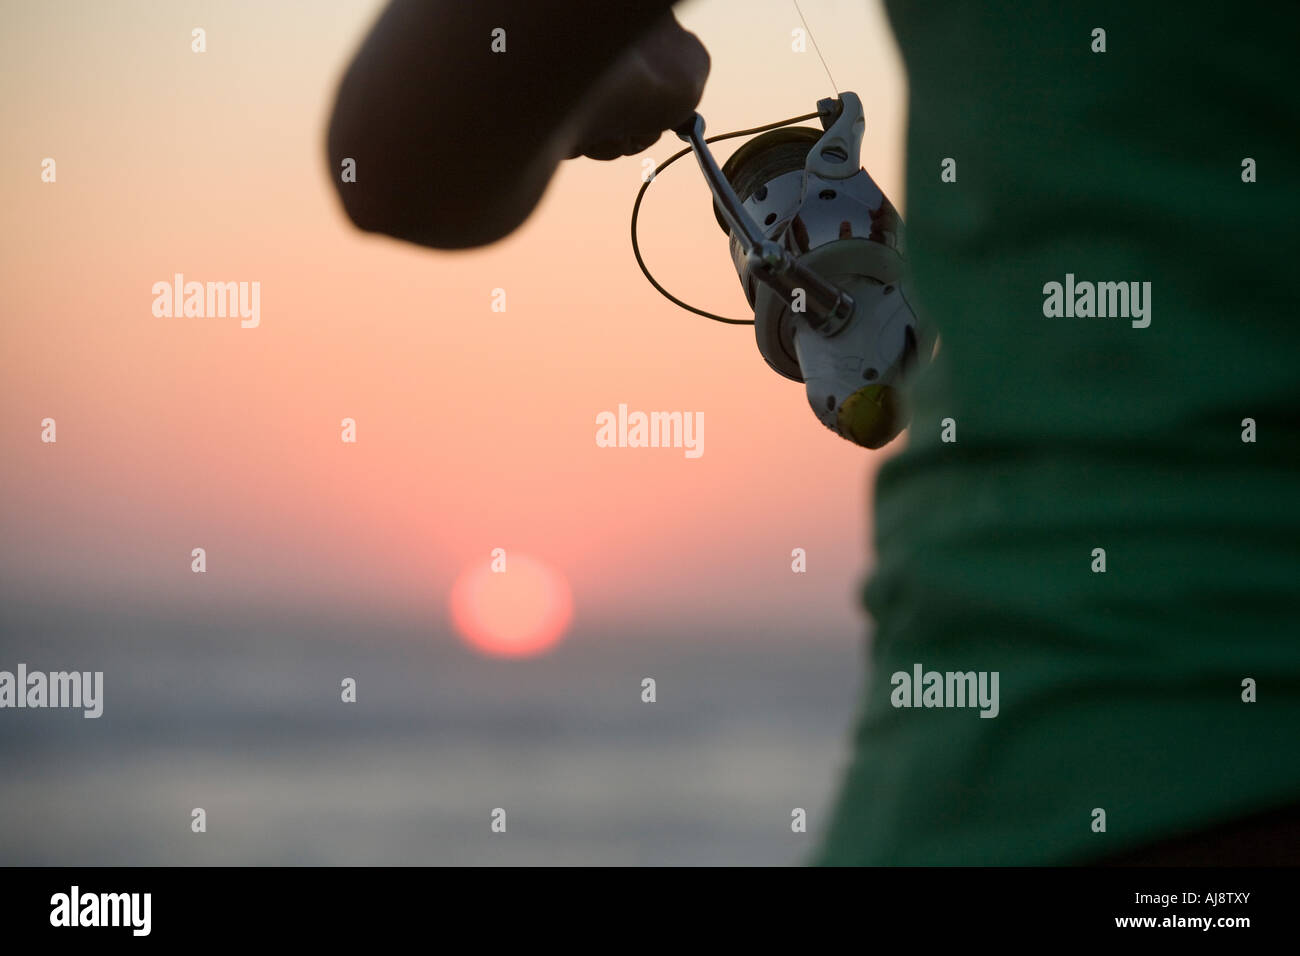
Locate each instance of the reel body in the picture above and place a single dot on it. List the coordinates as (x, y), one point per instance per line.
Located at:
(819, 252)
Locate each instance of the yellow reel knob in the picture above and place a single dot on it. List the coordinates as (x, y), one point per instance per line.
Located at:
(871, 416)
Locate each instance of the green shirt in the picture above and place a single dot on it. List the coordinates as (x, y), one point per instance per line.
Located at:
(1119, 690)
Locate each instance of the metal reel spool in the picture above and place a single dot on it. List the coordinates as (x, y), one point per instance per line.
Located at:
(763, 159)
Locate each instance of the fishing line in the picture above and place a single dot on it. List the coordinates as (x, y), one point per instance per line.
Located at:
(808, 29)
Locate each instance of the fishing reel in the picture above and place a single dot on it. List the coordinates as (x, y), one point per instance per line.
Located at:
(819, 252)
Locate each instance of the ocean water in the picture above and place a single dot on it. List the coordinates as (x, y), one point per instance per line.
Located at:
(241, 715)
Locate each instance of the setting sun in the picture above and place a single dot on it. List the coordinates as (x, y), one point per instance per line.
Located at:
(521, 611)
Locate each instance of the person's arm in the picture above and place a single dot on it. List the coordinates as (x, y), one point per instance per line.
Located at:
(454, 144)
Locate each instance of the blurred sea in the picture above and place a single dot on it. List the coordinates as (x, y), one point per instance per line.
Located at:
(241, 715)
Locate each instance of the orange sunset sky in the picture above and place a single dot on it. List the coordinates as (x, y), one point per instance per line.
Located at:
(475, 428)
